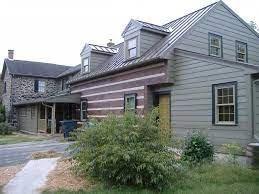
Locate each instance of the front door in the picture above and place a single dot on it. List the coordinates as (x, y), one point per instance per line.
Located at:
(163, 102)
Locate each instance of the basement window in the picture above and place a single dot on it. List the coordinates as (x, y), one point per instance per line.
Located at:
(225, 104)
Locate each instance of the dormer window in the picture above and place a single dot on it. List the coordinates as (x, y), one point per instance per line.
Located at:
(85, 67)
(132, 48)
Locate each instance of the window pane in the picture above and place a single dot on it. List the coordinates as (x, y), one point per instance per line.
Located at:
(226, 117)
(132, 52)
(225, 100)
(220, 99)
(132, 43)
(230, 91)
(230, 99)
(226, 109)
(86, 61)
(225, 91)
(215, 41)
(221, 109)
(232, 109)
(130, 102)
(231, 117)
(214, 51)
(220, 93)
(220, 117)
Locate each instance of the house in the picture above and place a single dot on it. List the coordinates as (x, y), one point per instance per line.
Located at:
(36, 93)
(202, 70)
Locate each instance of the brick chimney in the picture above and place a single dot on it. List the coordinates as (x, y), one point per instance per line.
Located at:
(110, 44)
(10, 54)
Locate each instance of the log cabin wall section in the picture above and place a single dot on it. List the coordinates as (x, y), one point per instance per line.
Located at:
(106, 95)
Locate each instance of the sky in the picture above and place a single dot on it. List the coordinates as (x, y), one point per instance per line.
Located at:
(55, 31)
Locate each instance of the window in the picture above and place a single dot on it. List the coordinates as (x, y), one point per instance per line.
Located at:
(42, 112)
(132, 48)
(39, 86)
(33, 112)
(241, 51)
(130, 102)
(63, 83)
(4, 87)
(215, 45)
(23, 112)
(83, 110)
(85, 67)
(225, 103)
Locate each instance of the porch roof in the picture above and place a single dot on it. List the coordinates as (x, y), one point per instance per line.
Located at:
(61, 97)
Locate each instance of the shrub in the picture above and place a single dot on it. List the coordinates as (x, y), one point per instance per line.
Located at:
(2, 113)
(128, 150)
(5, 129)
(197, 148)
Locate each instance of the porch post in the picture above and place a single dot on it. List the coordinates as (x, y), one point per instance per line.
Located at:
(53, 119)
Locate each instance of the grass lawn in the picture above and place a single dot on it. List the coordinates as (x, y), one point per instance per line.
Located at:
(18, 138)
(211, 179)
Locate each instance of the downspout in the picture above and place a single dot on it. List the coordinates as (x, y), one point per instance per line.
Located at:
(256, 137)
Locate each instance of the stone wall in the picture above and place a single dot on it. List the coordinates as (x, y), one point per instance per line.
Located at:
(23, 88)
(6, 97)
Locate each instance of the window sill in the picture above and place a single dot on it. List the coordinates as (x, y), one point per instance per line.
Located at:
(216, 56)
(225, 124)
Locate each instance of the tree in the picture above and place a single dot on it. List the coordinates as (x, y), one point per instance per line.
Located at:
(253, 24)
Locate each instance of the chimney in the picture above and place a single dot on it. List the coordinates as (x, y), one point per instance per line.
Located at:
(10, 54)
(110, 44)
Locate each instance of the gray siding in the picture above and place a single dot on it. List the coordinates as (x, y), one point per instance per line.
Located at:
(147, 40)
(97, 59)
(256, 108)
(220, 21)
(192, 98)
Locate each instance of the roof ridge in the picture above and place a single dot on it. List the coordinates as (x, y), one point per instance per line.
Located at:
(151, 23)
(36, 62)
(102, 46)
(190, 13)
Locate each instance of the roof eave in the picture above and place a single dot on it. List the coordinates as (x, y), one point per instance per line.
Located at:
(126, 68)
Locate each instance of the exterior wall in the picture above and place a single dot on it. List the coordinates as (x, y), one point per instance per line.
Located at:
(106, 95)
(6, 97)
(23, 88)
(191, 102)
(223, 23)
(256, 109)
(29, 121)
(147, 40)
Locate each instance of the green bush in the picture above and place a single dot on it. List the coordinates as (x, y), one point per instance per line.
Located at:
(6, 129)
(197, 148)
(233, 150)
(129, 150)
(2, 113)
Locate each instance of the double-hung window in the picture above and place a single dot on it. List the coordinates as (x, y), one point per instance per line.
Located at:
(132, 48)
(215, 45)
(225, 104)
(130, 102)
(85, 67)
(83, 110)
(39, 86)
(241, 51)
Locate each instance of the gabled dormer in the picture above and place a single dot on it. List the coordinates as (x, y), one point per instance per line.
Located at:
(92, 56)
(140, 36)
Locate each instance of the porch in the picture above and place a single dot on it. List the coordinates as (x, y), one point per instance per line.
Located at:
(44, 115)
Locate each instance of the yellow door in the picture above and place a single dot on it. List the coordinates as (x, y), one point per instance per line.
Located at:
(164, 110)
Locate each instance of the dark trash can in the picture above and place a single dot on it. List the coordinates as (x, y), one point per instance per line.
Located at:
(68, 126)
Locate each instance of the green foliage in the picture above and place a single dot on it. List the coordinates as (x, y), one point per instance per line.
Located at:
(2, 113)
(6, 129)
(197, 148)
(129, 150)
(233, 150)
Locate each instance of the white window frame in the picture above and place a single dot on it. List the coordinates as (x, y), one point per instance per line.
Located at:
(132, 48)
(220, 47)
(243, 53)
(217, 122)
(41, 86)
(81, 110)
(84, 65)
